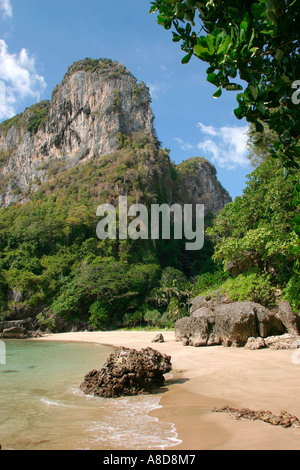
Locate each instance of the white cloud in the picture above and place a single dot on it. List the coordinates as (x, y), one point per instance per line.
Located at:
(210, 130)
(209, 146)
(184, 145)
(21, 80)
(225, 146)
(229, 147)
(156, 89)
(6, 8)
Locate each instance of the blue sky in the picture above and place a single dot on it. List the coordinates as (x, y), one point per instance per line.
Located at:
(39, 39)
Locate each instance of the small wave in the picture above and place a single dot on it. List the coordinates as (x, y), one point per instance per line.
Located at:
(127, 425)
(49, 402)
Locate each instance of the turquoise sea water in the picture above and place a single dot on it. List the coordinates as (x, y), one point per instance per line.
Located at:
(41, 406)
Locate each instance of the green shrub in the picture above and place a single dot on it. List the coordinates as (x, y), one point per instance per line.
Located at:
(291, 292)
(208, 281)
(47, 320)
(99, 318)
(252, 287)
(152, 317)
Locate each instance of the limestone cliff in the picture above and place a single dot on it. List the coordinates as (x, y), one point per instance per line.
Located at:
(96, 107)
(96, 102)
(199, 185)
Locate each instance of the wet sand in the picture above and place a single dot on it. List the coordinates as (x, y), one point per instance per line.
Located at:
(209, 377)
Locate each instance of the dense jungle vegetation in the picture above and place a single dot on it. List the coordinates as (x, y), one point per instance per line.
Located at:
(52, 264)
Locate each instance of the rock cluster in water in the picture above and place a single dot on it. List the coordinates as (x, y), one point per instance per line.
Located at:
(128, 372)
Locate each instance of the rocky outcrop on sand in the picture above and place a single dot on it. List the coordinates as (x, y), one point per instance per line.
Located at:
(284, 419)
(158, 339)
(285, 341)
(128, 372)
(213, 322)
(17, 329)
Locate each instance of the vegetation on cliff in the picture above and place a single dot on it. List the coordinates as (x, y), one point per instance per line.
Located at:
(53, 266)
(53, 263)
(30, 120)
(255, 241)
(253, 48)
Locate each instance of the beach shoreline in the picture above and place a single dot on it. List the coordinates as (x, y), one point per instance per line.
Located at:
(211, 377)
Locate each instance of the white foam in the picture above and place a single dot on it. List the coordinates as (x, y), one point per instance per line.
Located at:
(127, 425)
(49, 402)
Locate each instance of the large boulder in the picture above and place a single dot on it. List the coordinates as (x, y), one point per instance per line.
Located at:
(290, 320)
(25, 325)
(235, 322)
(206, 302)
(15, 332)
(128, 372)
(197, 330)
(229, 324)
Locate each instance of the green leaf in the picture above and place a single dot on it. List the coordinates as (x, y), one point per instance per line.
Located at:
(199, 50)
(210, 70)
(244, 25)
(161, 20)
(187, 58)
(176, 37)
(212, 78)
(210, 43)
(286, 79)
(218, 93)
(253, 50)
(239, 113)
(259, 127)
(254, 91)
(189, 4)
(296, 220)
(279, 55)
(251, 39)
(285, 172)
(224, 46)
(233, 87)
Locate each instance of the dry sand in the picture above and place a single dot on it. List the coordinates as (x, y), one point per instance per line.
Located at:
(208, 377)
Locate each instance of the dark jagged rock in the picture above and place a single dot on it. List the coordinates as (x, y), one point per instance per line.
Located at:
(285, 419)
(158, 339)
(14, 333)
(25, 324)
(128, 372)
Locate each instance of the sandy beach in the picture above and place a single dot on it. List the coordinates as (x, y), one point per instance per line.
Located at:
(209, 377)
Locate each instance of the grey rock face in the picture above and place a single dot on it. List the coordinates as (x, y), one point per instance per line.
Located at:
(199, 185)
(229, 324)
(90, 108)
(25, 325)
(290, 320)
(14, 333)
(96, 106)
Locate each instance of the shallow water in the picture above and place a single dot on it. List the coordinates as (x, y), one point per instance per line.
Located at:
(41, 406)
